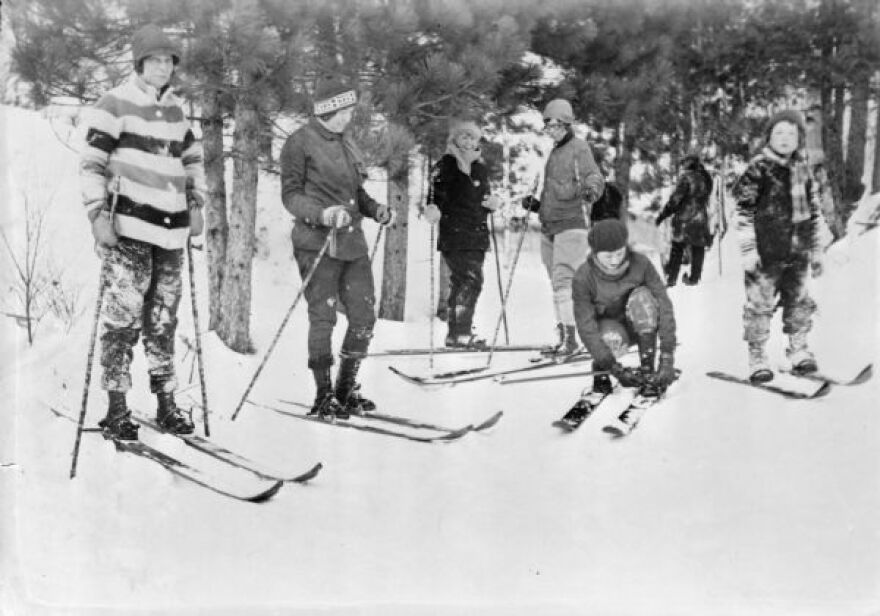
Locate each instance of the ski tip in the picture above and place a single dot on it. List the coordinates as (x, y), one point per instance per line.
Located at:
(823, 390)
(266, 494)
(456, 434)
(308, 475)
(563, 425)
(494, 419)
(613, 431)
(863, 376)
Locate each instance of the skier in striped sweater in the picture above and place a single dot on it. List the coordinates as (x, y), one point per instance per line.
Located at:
(143, 188)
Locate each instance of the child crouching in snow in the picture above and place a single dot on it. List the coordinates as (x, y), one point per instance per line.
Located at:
(619, 296)
(779, 221)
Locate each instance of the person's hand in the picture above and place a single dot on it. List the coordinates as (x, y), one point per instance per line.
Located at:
(628, 377)
(432, 214)
(492, 202)
(660, 218)
(196, 221)
(751, 261)
(335, 216)
(665, 370)
(531, 204)
(384, 214)
(103, 231)
(817, 266)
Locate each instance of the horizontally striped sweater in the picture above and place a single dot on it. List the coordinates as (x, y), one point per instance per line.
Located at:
(144, 138)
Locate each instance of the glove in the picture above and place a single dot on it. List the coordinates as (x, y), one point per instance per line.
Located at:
(103, 231)
(196, 221)
(432, 214)
(384, 215)
(817, 267)
(628, 377)
(531, 204)
(335, 216)
(751, 261)
(492, 202)
(660, 220)
(665, 370)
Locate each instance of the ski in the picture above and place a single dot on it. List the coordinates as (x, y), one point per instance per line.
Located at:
(514, 380)
(454, 380)
(445, 436)
(627, 421)
(819, 388)
(230, 457)
(411, 423)
(513, 348)
(863, 376)
(570, 424)
(263, 489)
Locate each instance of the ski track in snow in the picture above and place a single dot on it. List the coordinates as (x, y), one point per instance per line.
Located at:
(724, 500)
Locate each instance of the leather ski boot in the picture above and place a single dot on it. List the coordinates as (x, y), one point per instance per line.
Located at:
(348, 390)
(326, 405)
(118, 424)
(801, 358)
(172, 418)
(569, 344)
(759, 366)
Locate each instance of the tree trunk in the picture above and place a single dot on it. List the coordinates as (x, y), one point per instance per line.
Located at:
(392, 303)
(235, 291)
(855, 147)
(875, 177)
(217, 229)
(832, 141)
(623, 163)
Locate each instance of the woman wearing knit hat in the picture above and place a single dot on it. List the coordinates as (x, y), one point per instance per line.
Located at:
(572, 183)
(143, 186)
(779, 219)
(322, 175)
(618, 297)
(460, 200)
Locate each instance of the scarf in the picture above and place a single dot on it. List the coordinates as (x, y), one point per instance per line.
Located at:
(800, 174)
(464, 158)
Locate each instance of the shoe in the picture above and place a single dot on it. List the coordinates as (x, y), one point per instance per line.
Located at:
(118, 424)
(171, 418)
(569, 345)
(466, 341)
(327, 407)
(356, 404)
(759, 367)
(689, 281)
(802, 360)
(650, 389)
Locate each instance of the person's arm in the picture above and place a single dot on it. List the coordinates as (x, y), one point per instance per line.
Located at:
(745, 192)
(293, 179)
(676, 199)
(103, 126)
(587, 323)
(588, 176)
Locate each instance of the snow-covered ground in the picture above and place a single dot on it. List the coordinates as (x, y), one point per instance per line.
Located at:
(725, 500)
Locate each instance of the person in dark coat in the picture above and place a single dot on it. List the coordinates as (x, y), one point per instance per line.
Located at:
(779, 221)
(689, 207)
(322, 175)
(460, 200)
(619, 297)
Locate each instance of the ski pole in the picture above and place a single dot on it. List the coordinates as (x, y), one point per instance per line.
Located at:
(431, 293)
(102, 283)
(330, 237)
(506, 296)
(376, 244)
(199, 359)
(498, 275)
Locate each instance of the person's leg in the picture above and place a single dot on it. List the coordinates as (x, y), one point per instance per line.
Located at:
(797, 316)
(761, 288)
(160, 324)
(358, 295)
(676, 252)
(641, 315)
(127, 268)
(547, 261)
(570, 249)
(698, 254)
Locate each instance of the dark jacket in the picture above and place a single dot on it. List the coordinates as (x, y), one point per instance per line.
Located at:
(572, 181)
(689, 206)
(609, 205)
(319, 169)
(459, 198)
(598, 295)
(764, 214)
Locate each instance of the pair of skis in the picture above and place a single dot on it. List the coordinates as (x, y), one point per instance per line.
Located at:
(260, 484)
(803, 387)
(412, 430)
(625, 423)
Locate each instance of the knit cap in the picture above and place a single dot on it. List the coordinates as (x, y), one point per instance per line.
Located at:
(559, 109)
(787, 115)
(332, 94)
(150, 40)
(608, 235)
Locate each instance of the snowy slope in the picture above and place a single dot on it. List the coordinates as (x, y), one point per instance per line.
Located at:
(726, 500)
